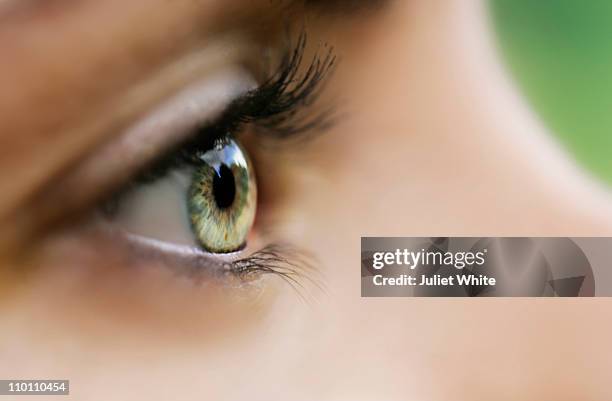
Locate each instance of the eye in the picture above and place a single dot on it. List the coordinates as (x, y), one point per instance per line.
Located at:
(196, 202)
(206, 199)
(222, 198)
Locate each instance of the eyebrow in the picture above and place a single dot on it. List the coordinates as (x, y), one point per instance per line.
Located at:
(22, 6)
(345, 6)
(20, 10)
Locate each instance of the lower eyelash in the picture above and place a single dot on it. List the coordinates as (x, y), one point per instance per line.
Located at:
(295, 267)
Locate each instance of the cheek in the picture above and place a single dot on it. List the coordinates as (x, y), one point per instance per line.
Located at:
(92, 293)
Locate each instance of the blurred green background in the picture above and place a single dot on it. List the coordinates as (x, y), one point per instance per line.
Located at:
(560, 52)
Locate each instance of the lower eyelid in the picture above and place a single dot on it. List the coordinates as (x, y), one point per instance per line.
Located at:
(119, 261)
(183, 259)
(238, 270)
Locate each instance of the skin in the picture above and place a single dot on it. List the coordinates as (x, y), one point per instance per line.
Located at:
(435, 140)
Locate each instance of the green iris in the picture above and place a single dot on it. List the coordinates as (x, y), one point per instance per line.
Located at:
(222, 198)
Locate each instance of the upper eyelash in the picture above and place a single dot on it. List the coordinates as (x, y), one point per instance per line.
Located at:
(274, 105)
(273, 108)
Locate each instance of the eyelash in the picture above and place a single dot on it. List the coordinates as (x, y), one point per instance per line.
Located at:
(274, 106)
(274, 110)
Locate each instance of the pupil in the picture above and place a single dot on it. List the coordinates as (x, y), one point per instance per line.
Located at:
(224, 187)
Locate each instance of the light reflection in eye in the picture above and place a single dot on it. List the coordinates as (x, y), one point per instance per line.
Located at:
(222, 198)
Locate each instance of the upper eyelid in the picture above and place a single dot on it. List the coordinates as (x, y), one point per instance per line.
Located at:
(84, 182)
(273, 107)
